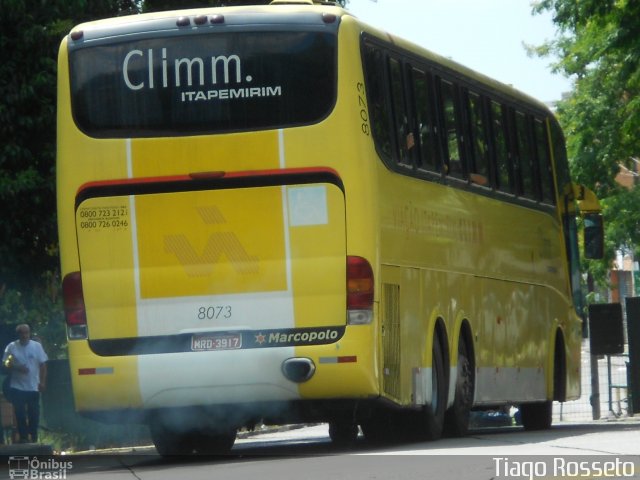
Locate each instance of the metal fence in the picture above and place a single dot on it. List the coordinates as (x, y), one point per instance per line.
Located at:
(613, 396)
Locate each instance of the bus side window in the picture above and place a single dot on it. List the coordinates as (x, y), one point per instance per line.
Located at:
(501, 150)
(452, 138)
(544, 162)
(479, 161)
(380, 126)
(404, 136)
(562, 176)
(425, 124)
(525, 176)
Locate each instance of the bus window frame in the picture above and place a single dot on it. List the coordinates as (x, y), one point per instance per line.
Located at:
(431, 150)
(404, 156)
(382, 109)
(477, 178)
(527, 186)
(506, 190)
(445, 139)
(544, 161)
(462, 85)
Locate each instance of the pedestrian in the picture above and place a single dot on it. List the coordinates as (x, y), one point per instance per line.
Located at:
(25, 359)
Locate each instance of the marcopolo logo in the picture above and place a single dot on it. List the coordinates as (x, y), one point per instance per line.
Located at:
(198, 78)
(23, 467)
(292, 337)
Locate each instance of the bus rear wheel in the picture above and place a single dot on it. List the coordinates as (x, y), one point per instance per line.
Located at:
(457, 417)
(378, 429)
(168, 442)
(178, 442)
(213, 443)
(343, 434)
(431, 418)
(536, 416)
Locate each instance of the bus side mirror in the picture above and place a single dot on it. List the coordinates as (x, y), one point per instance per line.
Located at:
(593, 236)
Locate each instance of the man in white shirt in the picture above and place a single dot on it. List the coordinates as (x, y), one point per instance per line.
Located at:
(26, 361)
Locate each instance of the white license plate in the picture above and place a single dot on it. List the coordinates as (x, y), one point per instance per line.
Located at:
(204, 343)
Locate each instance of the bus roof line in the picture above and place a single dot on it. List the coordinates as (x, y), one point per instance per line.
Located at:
(234, 18)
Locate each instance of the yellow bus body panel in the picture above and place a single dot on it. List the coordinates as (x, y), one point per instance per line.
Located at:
(103, 390)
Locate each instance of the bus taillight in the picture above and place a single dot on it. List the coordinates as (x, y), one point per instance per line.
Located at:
(359, 291)
(74, 309)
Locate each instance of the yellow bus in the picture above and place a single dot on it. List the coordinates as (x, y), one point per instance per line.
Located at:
(279, 214)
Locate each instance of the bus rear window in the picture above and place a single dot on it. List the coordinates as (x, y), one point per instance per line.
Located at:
(206, 83)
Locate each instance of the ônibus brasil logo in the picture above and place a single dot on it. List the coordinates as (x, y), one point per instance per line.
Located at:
(28, 468)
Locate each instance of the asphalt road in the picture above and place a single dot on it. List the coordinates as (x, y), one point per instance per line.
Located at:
(593, 449)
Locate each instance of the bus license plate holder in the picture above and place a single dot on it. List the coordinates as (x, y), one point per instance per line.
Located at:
(213, 342)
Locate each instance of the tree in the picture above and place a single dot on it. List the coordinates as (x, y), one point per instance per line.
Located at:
(28, 46)
(598, 46)
(30, 33)
(160, 5)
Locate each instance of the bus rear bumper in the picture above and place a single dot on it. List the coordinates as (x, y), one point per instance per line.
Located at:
(344, 369)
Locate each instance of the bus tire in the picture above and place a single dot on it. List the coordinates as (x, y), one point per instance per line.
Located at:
(378, 429)
(432, 416)
(213, 443)
(456, 422)
(169, 443)
(559, 370)
(536, 416)
(343, 434)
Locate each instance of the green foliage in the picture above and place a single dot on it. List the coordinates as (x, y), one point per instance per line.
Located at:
(29, 36)
(30, 33)
(599, 48)
(162, 5)
(623, 228)
(28, 46)
(40, 307)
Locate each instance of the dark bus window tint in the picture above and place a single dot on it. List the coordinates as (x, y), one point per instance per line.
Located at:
(503, 181)
(479, 166)
(374, 66)
(544, 162)
(425, 125)
(526, 174)
(454, 160)
(404, 137)
(220, 81)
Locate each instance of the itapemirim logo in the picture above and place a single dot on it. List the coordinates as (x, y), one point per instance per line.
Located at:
(28, 468)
